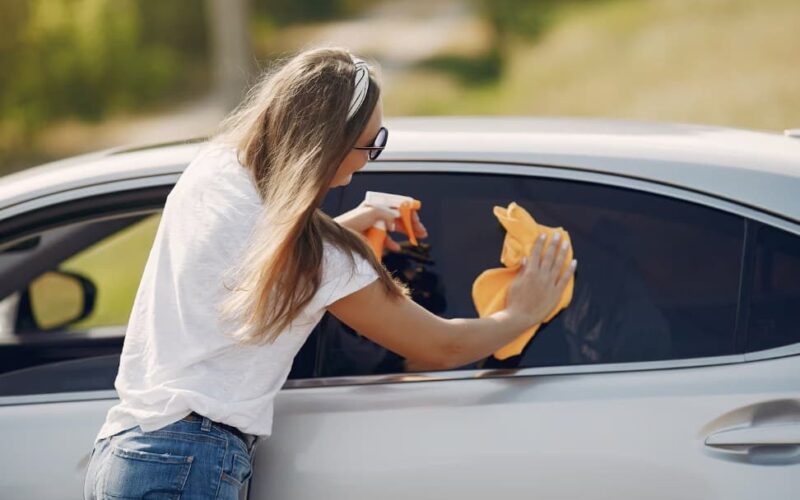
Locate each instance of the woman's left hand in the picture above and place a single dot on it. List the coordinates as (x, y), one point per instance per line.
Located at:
(364, 216)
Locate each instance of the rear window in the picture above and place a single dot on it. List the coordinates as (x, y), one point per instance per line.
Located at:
(774, 318)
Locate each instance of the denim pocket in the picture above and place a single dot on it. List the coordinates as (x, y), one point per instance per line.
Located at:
(239, 471)
(144, 474)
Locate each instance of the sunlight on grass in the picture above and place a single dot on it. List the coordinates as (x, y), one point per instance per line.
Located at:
(726, 62)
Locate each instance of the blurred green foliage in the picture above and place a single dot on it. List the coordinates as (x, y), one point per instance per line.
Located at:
(89, 58)
(286, 12)
(524, 18)
(527, 18)
(508, 19)
(469, 71)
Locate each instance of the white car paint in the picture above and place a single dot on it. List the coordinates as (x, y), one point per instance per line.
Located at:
(634, 430)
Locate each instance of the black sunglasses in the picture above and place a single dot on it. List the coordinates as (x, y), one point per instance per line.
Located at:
(378, 144)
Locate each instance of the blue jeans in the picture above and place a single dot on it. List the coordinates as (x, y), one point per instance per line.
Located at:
(185, 459)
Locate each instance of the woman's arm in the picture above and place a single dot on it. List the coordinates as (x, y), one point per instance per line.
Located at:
(404, 327)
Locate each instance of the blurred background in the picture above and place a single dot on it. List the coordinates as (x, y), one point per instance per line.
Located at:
(81, 75)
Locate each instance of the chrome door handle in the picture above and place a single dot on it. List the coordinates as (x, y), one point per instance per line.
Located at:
(768, 435)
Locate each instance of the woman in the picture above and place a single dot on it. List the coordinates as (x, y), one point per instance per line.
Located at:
(243, 266)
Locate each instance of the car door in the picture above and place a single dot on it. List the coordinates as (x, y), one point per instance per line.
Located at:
(67, 281)
(642, 388)
(69, 272)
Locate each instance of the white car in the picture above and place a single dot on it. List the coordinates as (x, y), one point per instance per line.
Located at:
(674, 373)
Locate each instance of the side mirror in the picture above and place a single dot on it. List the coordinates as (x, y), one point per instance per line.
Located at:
(58, 298)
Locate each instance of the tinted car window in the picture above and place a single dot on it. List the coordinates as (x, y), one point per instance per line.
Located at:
(657, 277)
(774, 316)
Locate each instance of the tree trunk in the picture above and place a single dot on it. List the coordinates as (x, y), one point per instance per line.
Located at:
(231, 52)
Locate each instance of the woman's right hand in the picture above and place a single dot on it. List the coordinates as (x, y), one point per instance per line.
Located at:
(540, 283)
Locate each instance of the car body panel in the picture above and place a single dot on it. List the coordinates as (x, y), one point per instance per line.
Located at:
(760, 170)
(554, 435)
(613, 435)
(633, 430)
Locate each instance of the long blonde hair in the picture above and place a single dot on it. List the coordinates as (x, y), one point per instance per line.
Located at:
(291, 133)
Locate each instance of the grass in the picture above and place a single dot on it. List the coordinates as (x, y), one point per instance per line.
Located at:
(726, 62)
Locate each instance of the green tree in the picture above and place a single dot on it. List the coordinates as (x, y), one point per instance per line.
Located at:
(89, 58)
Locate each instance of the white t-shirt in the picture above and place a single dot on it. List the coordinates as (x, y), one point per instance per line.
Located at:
(176, 358)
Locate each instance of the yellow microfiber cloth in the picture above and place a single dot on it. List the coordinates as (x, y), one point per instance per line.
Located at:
(490, 289)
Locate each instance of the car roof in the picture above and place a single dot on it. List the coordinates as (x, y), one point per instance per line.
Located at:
(758, 169)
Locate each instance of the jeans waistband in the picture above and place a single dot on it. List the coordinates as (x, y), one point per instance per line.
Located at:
(247, 439)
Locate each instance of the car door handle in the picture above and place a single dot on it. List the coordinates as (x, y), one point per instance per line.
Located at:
(774, 435)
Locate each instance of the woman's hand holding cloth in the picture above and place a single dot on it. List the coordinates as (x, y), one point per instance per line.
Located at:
(490, 290)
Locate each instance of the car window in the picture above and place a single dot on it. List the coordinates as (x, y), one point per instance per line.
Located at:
(64, 327)
(88, 270)
(657, 278)
(774, 313)
(114, 266)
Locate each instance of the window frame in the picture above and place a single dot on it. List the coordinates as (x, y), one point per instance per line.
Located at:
(750, 215)
(53, 204)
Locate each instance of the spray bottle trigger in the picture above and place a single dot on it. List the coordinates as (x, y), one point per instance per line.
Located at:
(406, 210)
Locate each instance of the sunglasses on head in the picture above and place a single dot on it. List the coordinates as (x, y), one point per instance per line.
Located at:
(377, 145)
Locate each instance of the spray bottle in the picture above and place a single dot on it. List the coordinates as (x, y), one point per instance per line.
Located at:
(400, 206)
